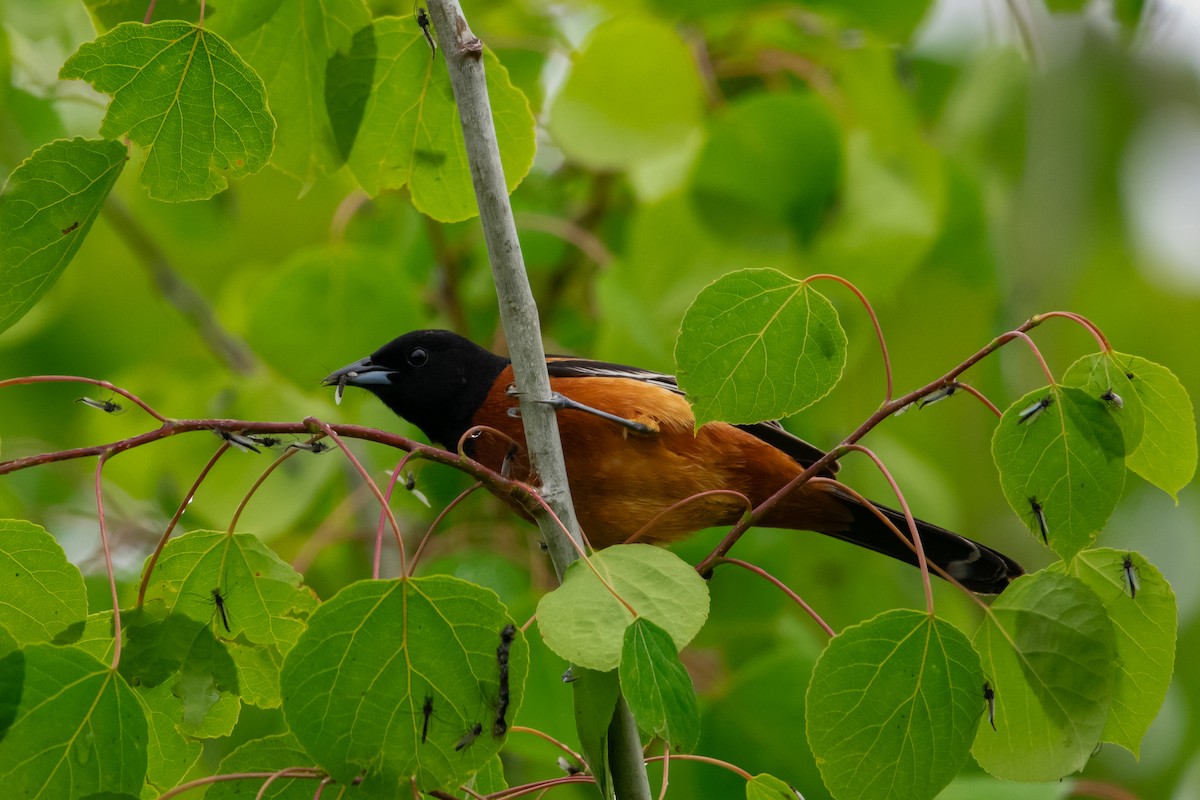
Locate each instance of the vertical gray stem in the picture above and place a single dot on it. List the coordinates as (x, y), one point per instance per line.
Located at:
(463, 54)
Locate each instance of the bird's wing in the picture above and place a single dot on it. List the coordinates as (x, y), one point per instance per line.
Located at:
(769, 431)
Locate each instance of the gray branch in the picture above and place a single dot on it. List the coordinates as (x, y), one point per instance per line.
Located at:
(463, 53)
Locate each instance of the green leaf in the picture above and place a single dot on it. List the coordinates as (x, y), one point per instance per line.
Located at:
(984, 787)
(181, 653)
(1067, 456)
(354, 686)
(756, 345)
(1166, 455)
(264, 754)
(264, 600)
(1048, 651)
(410, 133)
(1103, 375)
(768, 787)
(183, 94)
(257, 673)
(47, 208)
(584, 623)
(596, 119)
(79, 729)
(893, 705)
(294, 69)
(42, 593)
(595, 697)
(752, 188)
(1144, 623)
(657, 687)
(12, 680)
(170, 754)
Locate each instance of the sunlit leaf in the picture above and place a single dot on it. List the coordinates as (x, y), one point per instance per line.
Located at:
(405, 129)
(1103, 375)
(41, 593)
(183, 94)
(893, 705)
(657, 687)
(79, 730)
(183, 654)
(1166, 455)
(355, 686)
(584, 623)
(47, 208)
(1144, 621)
(290, 43)
(262, 597)
(170, 754)
(758, 345)
(1059, 450)
(768, 787)
(1048, 652)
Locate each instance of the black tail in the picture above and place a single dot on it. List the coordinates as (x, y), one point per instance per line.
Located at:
(977, 567)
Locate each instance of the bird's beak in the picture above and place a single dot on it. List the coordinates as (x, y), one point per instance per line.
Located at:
(361, 373)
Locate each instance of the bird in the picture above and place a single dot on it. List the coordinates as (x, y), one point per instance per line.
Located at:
(633, 450)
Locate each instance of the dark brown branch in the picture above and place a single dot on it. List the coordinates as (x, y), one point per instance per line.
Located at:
(516, 492)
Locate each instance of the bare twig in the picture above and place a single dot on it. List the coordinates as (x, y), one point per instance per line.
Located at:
(762, 573)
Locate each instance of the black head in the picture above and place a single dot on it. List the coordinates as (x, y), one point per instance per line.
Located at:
(434, 379)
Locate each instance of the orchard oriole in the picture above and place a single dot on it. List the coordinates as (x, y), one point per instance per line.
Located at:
(632, 451)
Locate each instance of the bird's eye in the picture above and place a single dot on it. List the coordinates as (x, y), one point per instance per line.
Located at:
(418, 356)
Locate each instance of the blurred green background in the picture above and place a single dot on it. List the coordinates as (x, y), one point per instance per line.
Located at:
(965, 164)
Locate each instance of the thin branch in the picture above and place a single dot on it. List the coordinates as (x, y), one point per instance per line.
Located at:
(542, 735)
(187, 499)
(175, 290)
(1090, 326)
(570, 232)
(908, 518)
(108, 564)
(707, 760)
(377, 562)
(412, 565)
(762, 573)
(885, 411)
(1037, 354)
(237, 514)
(306, 773)
(374, 487)
(91, 382)
(981, 397)
(862, 298)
